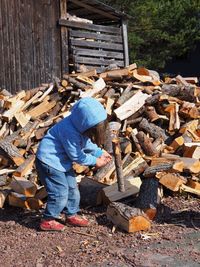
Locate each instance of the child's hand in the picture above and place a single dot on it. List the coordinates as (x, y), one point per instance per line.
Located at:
(102, 161)
(107, 155)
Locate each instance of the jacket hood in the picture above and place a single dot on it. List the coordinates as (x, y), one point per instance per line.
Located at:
(86, 113)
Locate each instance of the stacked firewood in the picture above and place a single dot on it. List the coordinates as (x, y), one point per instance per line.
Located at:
(154, 120)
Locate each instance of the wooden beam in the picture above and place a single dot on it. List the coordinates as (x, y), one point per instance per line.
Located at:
(87, 26)
(125, 42)
(64, 38)
(94, 10)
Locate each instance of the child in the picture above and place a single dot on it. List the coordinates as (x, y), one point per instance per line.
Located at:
(67, 142)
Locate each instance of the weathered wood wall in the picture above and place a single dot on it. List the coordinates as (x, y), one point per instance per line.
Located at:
(95, 45)
(30, 43)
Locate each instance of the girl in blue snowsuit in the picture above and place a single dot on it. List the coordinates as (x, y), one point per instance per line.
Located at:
(67, 142)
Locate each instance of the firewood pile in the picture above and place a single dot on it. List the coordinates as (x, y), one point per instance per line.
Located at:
(154, 121)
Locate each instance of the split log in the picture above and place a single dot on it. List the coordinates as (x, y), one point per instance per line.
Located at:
(10, 151)
(177, 143)
(17, 200)
(188, 189)
(190, 164)
(136, 166)
(136, 143)
(23, 186)
(174, 121)
(25, 167)
(42, 108)
(97, 87)
(111, 132)
(125, 145)
(192, 152)
(127, 218)
(41, 193)
(146, 144)
(125, 95)
(171, 181)
(103, 174)
(34, 204)
(193, 184)
(131, 106)
(3, 195)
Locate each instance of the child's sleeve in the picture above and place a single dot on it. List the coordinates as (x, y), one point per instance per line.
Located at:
(92, 148)
(75, 151)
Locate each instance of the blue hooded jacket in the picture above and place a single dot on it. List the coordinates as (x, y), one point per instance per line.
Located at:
(65, 143)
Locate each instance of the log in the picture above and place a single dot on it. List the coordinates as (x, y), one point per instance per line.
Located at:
(127, 218)
(136, 143)
(154, 130)
(191, 165)
(125, 95)
(146, 144)
(41, 193)
(193, 184)
(118, 164)
(10, 151)
(34, 204)
(90, 191)
(25, 167)
(17, 200)
(187, 93)
(188, 189)
(171, 181)
(111, 132)
(97, 87)
(174, 121)
(177, 143)
(125, 145)
(148, 196)
(23, 186)
(3, 195)
(192, 152)
(131, 106)
(151, 171)
(76, 83)
(151, 113)
(103, 174)
(136, 166)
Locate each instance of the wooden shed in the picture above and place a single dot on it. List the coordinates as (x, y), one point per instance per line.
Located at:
(43, 39)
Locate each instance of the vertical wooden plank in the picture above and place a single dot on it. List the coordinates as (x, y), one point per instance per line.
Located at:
(125, 42)
(64, 38)
(6, 45)
(12, 45)
(2, 59)
(17, 44)
(23, 35)
(56, 40)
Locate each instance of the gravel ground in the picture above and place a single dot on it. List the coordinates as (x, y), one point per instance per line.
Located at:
(173, 240)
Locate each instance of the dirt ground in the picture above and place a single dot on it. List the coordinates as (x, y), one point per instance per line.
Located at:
(173, 240)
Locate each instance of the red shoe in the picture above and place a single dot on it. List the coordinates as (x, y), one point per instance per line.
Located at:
(51, 225)
(77, 220)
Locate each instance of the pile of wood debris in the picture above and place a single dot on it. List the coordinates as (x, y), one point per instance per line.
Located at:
(156, 122)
